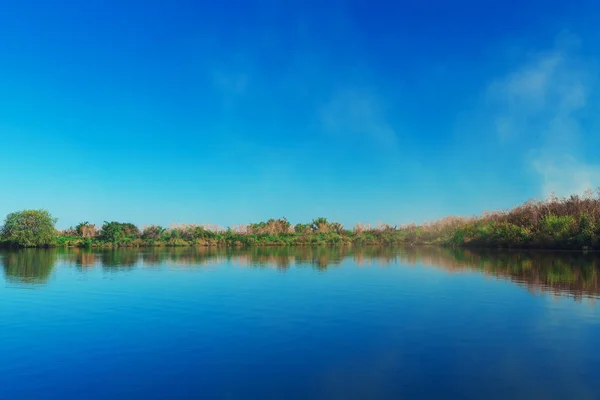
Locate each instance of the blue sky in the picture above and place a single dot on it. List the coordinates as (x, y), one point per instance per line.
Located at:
(237, 111)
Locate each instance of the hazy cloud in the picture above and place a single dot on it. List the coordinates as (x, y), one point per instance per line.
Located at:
(540, 105)
(359, 114)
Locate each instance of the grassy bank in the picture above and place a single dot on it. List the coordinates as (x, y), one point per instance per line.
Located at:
(555, 223)
(569, 223)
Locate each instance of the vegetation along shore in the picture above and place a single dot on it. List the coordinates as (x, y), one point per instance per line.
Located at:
(554, 223)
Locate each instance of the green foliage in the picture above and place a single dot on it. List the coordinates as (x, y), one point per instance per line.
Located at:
(302, 228)
(29, 228)
(118, 232)
(458, 237)
(86, 242)
(337, 228)
(569, 223)
(175, 242)
(586, 236)
(272, 226)
(557, 227)
(153, 232)
(68, 241)
(320, 223)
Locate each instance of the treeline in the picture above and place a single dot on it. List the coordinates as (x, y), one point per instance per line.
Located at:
(553, 223)
(35, 228)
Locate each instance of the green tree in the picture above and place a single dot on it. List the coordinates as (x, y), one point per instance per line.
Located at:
(320, 225)
(302, 228)
(153, 232)
(116, 232)
(29, 228)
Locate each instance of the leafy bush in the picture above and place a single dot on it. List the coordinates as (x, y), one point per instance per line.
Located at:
(153, 232)
(302, 228)
(319, 224)
(557, 227)
(29, 228)
(118, 232)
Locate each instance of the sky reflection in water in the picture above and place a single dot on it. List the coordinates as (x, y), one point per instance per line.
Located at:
(303, 322)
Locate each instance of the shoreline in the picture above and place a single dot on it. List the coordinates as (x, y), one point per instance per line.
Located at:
(110, 246)
(571, 223)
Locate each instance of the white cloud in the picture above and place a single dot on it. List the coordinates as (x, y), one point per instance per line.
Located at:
(565, 175)
(541, 104)
(357, 113)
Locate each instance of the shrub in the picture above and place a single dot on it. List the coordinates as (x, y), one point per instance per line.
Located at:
(557, 227)
(320, 225)
(302, 228)
(117, 232)
(153, 232)
(29, 228)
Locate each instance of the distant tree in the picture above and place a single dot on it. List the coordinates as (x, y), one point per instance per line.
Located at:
(337, 228)
(131, 230)
(29, 228)
(85, 229)
(271, 227)
(302, 228)
(153, 232)
(117, 231)
(320, 225)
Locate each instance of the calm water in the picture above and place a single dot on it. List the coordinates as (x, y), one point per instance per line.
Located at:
(304, 323)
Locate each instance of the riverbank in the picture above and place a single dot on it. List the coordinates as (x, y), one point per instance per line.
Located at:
(571, 223)
(204, 238)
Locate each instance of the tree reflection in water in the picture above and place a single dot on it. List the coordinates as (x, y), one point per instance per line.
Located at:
(28, 265)
(562, 273)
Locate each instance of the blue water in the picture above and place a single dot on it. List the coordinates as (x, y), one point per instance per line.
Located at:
(298, 323)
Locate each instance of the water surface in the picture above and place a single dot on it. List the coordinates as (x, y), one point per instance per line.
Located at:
(298, 323)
